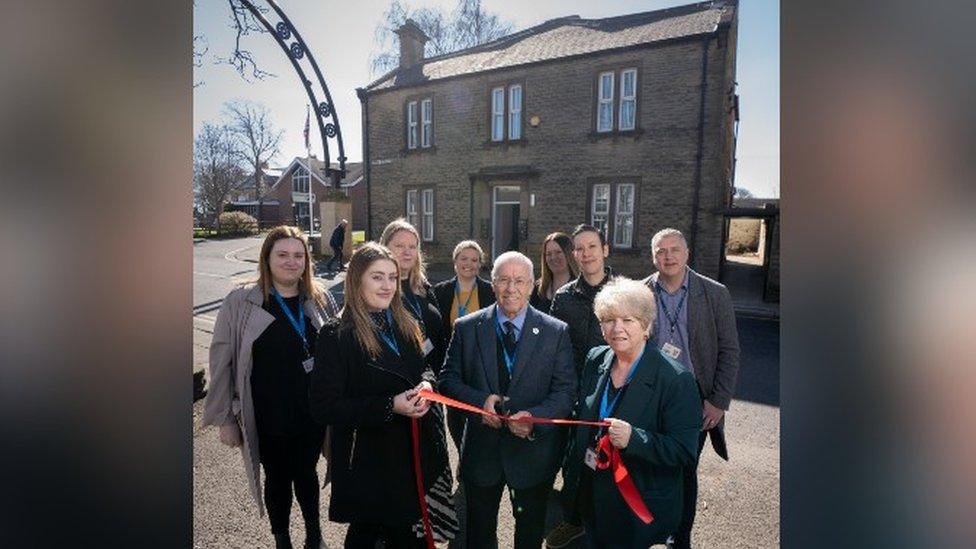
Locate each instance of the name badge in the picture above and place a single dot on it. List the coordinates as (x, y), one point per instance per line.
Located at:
(589, 458)
(428, 346)
(672, 351)
(308, 364)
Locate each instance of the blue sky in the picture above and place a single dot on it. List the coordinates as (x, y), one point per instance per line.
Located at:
(340, 35)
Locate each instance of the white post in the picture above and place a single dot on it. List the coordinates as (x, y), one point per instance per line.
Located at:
(308, 160)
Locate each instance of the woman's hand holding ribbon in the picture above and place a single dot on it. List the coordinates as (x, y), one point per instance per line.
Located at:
(619, 431)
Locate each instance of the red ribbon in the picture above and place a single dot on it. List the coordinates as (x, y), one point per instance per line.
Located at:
(608, 456)
(419, 475)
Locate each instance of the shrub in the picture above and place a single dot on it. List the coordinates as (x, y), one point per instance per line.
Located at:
(237, 223)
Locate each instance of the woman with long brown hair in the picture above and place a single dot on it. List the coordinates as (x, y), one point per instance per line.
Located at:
(369, 369)
(262, 352)
(558, 268)
(402, 238)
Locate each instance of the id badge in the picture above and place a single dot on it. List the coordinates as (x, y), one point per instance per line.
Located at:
(672, 351)
(428, 347)
(589, 458)
(308, 364)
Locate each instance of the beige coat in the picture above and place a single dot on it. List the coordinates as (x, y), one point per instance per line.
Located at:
(240, 321)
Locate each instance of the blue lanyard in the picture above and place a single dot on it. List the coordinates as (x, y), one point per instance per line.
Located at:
(390, 339)
(297, 323)
(414, 303)
(463, 309)
(607, 408)
(677, 312)
(509, 360)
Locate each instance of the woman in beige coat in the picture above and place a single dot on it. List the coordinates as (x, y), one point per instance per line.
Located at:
(260, 359)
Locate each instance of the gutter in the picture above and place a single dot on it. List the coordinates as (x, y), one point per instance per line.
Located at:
(701, 150)
(361, 93)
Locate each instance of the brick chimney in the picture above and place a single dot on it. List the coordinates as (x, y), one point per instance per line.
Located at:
(412, 41)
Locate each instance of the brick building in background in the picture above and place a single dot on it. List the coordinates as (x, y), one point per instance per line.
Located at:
(285, 198)
(623, 122)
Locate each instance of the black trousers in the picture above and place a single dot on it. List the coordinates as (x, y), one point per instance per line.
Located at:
(363, 535)
(682, 538)
(336, 256)
(528, 507)
(291, 461)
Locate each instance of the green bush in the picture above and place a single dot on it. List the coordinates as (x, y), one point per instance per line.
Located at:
(237, 223)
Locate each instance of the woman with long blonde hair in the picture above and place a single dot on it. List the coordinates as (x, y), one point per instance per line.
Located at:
(369, 369)
(264, 341)
(558, 269)
(402, 238)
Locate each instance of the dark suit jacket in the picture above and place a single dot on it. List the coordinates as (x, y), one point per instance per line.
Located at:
(662, 405)
(543, 383)
(713, 344)
(444, 292)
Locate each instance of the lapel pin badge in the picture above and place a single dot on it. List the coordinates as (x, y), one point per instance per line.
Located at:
(535, 331)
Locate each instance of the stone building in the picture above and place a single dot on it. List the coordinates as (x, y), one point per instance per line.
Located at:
(624, 122)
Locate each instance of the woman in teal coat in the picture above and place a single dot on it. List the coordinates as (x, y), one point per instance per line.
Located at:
(655, 416)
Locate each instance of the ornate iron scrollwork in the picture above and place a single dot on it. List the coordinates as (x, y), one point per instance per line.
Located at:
(299, 54)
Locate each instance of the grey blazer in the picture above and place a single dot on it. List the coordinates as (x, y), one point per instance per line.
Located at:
(543, 383)
(714, 345)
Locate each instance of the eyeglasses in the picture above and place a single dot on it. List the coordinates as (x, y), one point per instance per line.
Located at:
(504, 282)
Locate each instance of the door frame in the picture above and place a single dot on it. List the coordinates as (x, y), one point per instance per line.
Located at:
(494, 213)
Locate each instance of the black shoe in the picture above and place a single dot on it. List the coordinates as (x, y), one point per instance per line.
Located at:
(282, 541)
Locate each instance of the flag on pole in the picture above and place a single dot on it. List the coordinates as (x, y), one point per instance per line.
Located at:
(308, 144)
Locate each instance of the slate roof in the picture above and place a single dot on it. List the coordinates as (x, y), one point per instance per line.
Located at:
(567, 37)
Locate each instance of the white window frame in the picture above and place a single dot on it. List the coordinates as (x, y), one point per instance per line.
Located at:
(427, 212)
(297, 177)
(514, 113)
(601, 101)
(412, 125)
(619, 216)
(427, 123)
(629, 98)
(411, 208)
(498, 114)
(604, 224)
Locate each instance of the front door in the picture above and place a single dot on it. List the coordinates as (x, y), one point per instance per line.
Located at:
(506, 201)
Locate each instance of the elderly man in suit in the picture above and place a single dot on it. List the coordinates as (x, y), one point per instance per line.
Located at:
(512, 359)
(695, 325)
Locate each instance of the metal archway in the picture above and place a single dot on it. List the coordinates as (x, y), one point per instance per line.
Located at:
(298, 53)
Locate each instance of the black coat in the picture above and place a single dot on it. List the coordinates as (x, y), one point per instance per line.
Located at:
(371, 451)
(444, 292)
(338, 236)
(573, 304)
(430, 322)
(663, 407)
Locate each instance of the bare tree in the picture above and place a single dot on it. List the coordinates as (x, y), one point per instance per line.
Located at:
(216, 169)
(474, 26)
(257, 139)
(469, 25)
(244, 23)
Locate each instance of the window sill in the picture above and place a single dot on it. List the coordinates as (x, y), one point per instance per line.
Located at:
(419, 150)
(625, 134)
(506, 143)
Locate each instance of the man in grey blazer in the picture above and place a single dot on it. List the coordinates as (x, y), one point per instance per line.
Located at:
(513, 359)
(695, 325)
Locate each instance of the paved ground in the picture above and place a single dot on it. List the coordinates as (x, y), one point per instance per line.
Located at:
(739, 501)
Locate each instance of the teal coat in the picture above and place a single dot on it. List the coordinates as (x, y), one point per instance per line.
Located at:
(663, 405)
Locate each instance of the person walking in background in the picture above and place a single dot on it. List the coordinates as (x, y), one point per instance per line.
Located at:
(654, 411)
(558, 268)
(573, 304)
(336, 242)
(402, 238)
(462, 295)
(509, 358)
(369, 368)
(262, 352)
(695, 326)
